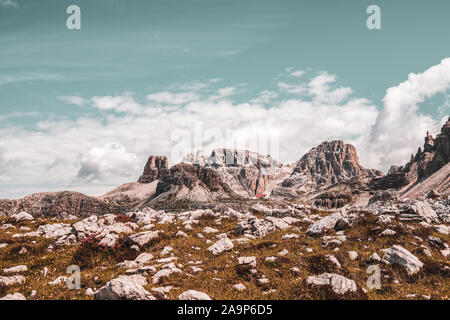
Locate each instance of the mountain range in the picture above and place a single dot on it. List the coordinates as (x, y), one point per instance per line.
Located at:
(329, 175)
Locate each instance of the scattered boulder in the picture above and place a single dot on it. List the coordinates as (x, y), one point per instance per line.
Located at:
(220, 246)
(193, 295)
(339, 284)
(16, 269)
(325, 224)
(125, 288)
(399, 255)
(142, 238)
(12, 280)
(15, 296)
(22, 216)
(247, 261)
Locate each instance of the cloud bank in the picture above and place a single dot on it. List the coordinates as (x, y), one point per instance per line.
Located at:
(93, 154)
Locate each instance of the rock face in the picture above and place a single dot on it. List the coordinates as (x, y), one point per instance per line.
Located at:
(55, 204)
(189, 175)
(434, 156)
(246, 173)
(189, 182)
(155, 167)
(328, 164)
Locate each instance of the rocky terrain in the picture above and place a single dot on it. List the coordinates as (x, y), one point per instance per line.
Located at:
(290, 251)
(239, 225)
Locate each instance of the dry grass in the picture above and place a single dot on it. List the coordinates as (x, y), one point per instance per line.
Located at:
(220, 273)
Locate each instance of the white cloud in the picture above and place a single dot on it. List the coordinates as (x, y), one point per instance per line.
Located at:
(124, 103)
(172, 98)
(30, 76)
(297, 73)
(292, 88)
(319, 87)
(106, 162)
(400, 127)
(223, 93)
(9, 3)
(76, 100)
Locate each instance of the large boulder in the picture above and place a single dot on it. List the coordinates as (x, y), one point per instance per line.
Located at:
(419, 211)
(220, 246)
(325, 223)
(125, 288)
(11, 281)
(399, 255)
(143, 238)
(339, 284)
(15, 296)
(21, 216)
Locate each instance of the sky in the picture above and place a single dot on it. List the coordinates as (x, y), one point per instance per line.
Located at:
(83, 109)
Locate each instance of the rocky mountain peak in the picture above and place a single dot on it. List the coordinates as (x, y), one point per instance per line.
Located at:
(428, 160)
(329, 163)
(434, 155)
(155, 167)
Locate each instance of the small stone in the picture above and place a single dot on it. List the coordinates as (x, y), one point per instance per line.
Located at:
(352, 255)
(181, 234)
(89, 292)
(239, 287)
(375, 257)
(388, 232)
(16, 269)
(210, 230)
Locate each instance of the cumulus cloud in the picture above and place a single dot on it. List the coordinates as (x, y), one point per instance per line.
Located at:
(104, 162)
(400, 127)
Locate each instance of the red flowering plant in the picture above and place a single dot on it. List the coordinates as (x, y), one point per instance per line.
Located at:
(124, 218)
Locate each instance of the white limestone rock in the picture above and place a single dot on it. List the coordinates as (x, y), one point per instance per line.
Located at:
(125, 288)
(193, 295)
(220, 246)
(339, 284)
(399, 255)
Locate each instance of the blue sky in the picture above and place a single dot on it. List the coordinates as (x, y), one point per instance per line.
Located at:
(218, 55)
